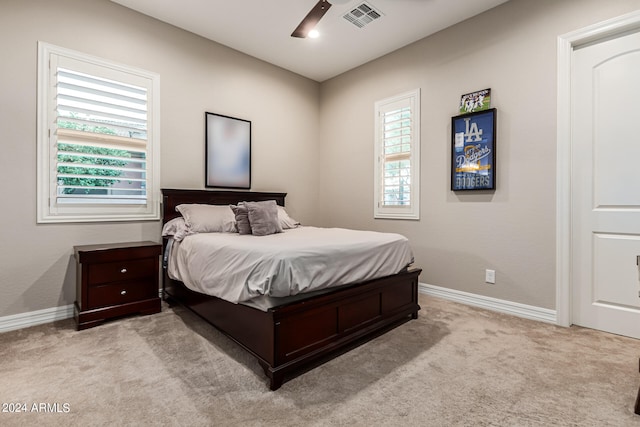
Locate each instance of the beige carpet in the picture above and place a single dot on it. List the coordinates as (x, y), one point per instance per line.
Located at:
(454, 366)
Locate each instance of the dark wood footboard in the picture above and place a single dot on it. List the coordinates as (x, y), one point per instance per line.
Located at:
(293, 338)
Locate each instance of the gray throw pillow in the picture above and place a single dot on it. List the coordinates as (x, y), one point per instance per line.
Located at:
(263, 217)
(242, 218)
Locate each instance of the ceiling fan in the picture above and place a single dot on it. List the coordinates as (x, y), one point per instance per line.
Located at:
(312, 19)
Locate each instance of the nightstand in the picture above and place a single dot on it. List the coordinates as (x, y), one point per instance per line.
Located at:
(115, 280)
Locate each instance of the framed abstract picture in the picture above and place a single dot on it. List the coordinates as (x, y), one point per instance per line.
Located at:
(473, 151)
(227, 152)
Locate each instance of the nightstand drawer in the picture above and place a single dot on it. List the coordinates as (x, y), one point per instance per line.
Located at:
(121, 270)
(121, 293)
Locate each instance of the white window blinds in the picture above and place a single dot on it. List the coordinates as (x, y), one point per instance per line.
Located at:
(101, 139)
(397, 157)
(101, 131)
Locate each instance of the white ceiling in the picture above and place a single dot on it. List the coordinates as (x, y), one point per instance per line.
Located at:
(262, 28)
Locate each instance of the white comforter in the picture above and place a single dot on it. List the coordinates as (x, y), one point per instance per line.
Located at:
(238, 268)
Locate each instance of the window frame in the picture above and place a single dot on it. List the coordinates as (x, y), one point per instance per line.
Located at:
(48, 210)
(412, 211)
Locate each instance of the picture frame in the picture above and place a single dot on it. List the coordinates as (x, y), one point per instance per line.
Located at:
(475, 101)
(473, 151)
(227, 152)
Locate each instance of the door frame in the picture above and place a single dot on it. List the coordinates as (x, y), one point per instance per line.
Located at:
(566, 45)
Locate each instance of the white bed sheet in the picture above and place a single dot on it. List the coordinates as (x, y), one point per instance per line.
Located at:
(240, 268)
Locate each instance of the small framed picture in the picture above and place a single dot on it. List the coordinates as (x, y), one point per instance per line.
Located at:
(473, 151)
(475, 101)
(227, 152)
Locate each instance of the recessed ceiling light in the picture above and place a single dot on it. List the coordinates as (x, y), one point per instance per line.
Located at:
(314, 34)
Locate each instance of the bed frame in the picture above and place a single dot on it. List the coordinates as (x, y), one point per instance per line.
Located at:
(292, 338)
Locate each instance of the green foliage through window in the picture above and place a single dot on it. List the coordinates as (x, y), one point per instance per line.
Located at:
(84, 162)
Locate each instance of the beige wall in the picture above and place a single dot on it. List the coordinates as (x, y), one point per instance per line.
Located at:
(196, 75)
(512, 50)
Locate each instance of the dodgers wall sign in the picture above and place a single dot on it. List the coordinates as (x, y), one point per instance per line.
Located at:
(473, 151)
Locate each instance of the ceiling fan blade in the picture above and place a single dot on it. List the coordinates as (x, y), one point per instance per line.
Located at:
(311, 19)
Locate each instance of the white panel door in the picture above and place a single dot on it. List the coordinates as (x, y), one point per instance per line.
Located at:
(605, 185)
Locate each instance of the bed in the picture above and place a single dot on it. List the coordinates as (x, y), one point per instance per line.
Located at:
(295, 336)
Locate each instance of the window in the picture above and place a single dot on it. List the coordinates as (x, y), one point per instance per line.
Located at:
(397, 157)
(98, 139)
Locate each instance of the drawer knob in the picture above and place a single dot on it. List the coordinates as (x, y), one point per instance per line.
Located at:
(124, 270)
(123, 292)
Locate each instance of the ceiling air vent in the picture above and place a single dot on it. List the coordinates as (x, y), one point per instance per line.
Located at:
(362, 15)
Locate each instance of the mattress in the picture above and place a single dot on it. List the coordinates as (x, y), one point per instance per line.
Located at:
(254, 269)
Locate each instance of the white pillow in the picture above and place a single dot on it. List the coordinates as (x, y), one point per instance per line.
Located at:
(208, 218)
(286, 221)
(176, 228)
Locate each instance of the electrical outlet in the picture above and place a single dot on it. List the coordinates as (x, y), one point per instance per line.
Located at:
(490, 276)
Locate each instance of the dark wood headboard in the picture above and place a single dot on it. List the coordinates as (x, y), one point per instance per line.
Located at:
(172, 198)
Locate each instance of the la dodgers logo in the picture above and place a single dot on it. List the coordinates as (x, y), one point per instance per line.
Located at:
(472, 131)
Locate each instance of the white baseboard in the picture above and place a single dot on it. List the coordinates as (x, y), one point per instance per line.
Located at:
(32, 318)
(39, 317)
(501, 306)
